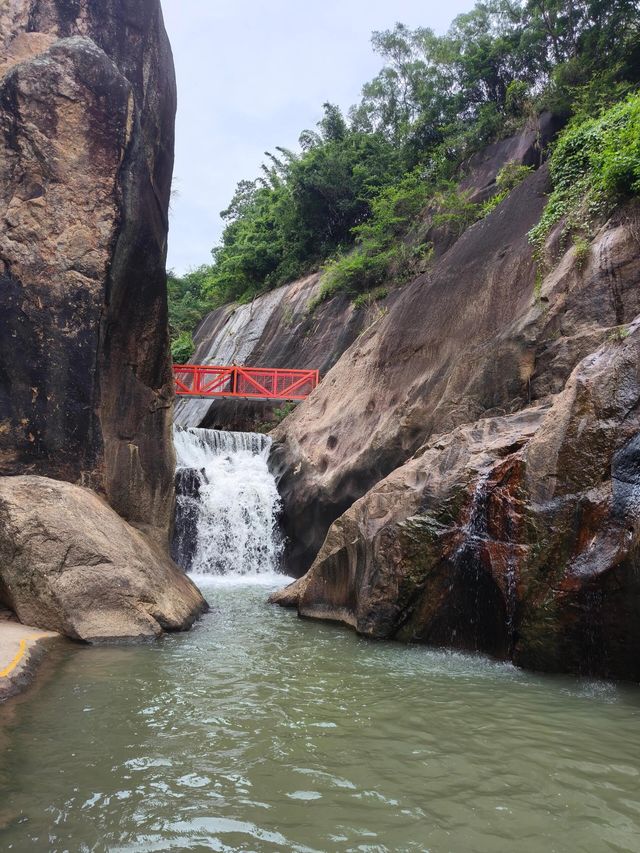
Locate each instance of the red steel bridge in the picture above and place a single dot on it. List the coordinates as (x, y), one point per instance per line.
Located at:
(249, 383)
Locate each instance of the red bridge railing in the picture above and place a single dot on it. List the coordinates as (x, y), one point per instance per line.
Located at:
(253, 383)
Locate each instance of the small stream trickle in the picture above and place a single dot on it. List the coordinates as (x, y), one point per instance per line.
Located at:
(485, 564)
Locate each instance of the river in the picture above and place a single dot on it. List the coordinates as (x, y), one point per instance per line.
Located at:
(259, 731)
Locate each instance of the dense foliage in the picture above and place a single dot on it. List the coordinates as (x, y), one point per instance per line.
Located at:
(348, 198)
(302, 209)
(189, 297)
(595, 164)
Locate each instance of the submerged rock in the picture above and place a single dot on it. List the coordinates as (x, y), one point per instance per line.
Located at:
(69, 563)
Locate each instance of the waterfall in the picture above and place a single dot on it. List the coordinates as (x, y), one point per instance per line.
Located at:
(227, 504)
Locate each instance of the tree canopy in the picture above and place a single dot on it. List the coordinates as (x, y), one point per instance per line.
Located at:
(435, 100)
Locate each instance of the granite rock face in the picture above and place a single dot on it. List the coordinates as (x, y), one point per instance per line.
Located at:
(517, 536)
(527, 148)
(278, 329)
(87, 103)
(514, 532)
(477, 336)
(466, 474)
(71, 564)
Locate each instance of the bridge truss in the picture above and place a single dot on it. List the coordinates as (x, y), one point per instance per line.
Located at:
(249, 383)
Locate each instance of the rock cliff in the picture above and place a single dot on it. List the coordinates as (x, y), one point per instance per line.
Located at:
(87, 104)
(517, 535)
(473, 455)
(278, 329)
(472, 338)
(466, 473)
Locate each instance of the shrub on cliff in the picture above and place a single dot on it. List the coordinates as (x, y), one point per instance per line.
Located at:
(389, 245)
(189, 300)
(507, 179)
(379, 244)
(182, 348)
(595, 164)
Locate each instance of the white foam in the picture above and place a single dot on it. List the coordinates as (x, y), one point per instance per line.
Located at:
(263, 579)
(238, 503)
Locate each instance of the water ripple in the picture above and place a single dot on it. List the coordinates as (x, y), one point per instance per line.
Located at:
(259, 731)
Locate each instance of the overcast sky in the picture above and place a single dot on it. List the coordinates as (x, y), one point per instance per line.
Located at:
(251, 75)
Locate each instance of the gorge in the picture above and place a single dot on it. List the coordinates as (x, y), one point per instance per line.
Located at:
(401, 614)
(524, 398)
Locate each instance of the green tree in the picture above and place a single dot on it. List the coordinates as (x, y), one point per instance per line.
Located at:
(189, 299)
(357, 184)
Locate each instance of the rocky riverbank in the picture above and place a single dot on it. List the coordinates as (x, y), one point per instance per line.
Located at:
(21, 650)
(493, 504)
(464, 474)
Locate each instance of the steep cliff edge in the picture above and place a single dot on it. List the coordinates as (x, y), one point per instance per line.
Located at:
(87, 104)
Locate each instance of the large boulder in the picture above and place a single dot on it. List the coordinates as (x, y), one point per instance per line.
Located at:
(69, 563)
(516, 535)
(87, 103)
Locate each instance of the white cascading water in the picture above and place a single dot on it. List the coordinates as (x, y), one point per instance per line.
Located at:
(233, 509)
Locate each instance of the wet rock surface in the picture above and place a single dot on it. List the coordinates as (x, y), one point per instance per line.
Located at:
(69, 563)
(184, 542)
(516, 536)
(467, 473)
